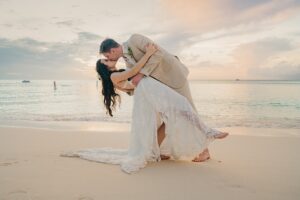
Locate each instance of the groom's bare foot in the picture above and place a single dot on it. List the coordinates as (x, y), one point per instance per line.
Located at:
(202, 156)
(221, 135)
(164, 157)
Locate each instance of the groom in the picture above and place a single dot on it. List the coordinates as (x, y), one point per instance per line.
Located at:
(162, 66)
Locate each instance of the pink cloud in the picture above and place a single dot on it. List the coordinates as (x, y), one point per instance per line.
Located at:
(216, 14)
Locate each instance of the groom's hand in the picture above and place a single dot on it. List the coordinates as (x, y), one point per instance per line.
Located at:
(136, 79)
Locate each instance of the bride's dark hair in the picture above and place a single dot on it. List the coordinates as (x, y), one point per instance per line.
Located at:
(108, 90)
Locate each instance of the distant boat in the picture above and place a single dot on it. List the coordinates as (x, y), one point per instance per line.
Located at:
(25, 81)
(237, 79)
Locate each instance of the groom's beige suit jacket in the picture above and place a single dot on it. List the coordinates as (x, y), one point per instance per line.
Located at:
(163, 66)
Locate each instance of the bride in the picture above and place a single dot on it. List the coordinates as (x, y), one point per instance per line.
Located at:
(154, 103)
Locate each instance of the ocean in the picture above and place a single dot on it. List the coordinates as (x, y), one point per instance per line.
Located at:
(259, 104)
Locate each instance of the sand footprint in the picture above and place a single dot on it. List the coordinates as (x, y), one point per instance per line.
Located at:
(18, 195)
(237, 186)
(7, 163)
(85, 198)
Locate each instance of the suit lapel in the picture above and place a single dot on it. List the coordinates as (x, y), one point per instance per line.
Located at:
(137, 54)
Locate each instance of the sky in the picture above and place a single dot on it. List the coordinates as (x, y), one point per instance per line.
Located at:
(216, 39)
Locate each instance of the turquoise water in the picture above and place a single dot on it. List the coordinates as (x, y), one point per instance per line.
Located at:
(267, 104)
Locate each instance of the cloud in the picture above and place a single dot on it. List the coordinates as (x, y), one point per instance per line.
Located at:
(30, 59)
(216, 39)
(259, 52)
(55, 21)
(206, 16)
(209, 31)
(207, 70)
(283, 71)
(268, 58)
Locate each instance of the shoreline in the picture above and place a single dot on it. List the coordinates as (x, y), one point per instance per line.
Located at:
(110, 126)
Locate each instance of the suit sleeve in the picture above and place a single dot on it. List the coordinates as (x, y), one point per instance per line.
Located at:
(140, 42)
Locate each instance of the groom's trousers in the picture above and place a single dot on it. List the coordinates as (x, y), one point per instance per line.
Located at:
(185, 91)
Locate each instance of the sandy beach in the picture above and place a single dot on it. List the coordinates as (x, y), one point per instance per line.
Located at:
(77, 75)
(242, 167)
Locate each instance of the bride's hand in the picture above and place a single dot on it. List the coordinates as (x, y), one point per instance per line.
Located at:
(151, 48)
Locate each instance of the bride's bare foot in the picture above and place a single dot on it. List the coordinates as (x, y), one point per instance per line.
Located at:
(202, 156)
(221, 135)
(164, 157)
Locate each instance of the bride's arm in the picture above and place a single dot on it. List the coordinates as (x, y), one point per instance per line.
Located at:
(124, 85)
(128, 91)
(121, 76)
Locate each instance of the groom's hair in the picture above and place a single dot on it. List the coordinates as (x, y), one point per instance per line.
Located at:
(107, 45)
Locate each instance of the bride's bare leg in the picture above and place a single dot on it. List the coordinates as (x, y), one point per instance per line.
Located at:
(161, 134)
(202, 156)
(205, 154)
(160, 137)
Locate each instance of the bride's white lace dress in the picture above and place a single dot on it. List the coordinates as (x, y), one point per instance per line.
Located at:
(154, 103)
